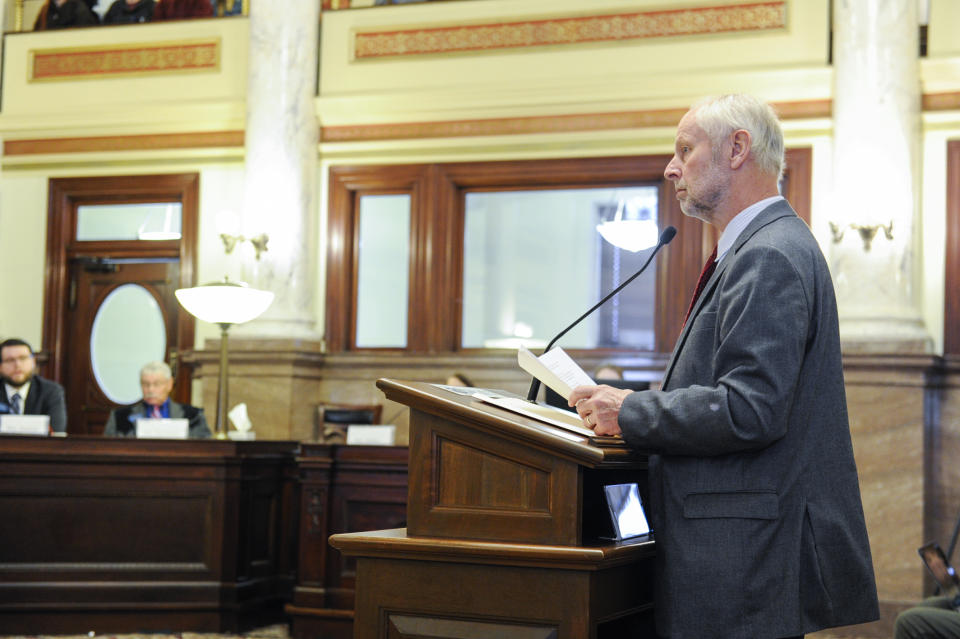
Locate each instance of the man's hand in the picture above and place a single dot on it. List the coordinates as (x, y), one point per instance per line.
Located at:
(598, 407)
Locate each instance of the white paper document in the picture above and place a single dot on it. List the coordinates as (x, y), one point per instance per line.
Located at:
(555, 369)
(162, 428)
(546, 414)
(25, 424)
(371, 434)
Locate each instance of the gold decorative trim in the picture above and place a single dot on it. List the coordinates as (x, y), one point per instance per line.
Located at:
(542, 124)
(941, 101)
(102, 61)
(636, 25)
(124, 143)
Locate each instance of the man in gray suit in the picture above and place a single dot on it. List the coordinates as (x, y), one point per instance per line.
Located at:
(156, 383)
(754, 495)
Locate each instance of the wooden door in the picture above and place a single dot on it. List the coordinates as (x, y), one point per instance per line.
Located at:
(122, 313)
(83, 271)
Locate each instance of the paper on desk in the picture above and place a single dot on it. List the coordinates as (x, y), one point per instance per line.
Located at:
(239, 418)
(555, 369)
(546, 414)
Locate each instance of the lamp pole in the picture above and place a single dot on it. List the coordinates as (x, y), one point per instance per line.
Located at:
(223, 385)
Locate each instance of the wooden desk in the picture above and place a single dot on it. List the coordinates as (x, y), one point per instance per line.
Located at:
(342, 489)
(123, 535)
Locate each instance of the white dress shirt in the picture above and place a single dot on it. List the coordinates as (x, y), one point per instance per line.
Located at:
(739, 223)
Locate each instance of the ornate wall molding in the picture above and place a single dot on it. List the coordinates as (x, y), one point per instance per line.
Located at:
(198, 140)
(635, 25)
(111, 61)
(542, 124)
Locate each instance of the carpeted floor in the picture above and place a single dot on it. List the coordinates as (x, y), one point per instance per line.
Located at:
(279, 631)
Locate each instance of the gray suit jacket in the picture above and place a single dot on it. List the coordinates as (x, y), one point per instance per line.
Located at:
(122, 421)
(755, 500)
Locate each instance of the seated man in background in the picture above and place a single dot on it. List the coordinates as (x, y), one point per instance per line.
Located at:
(156, 382)
(932, 618)
(25, 392)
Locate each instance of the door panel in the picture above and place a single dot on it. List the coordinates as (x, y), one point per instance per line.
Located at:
(121, 314)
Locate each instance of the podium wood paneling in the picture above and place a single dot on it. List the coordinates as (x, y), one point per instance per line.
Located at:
(505, 532)
(121, 535)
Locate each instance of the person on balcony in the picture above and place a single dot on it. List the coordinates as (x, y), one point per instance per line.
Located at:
(129, 12)
(62, 14)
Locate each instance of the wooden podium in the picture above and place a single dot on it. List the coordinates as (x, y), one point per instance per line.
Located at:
(504, 537)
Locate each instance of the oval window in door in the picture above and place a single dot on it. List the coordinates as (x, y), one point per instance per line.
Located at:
(128, 332)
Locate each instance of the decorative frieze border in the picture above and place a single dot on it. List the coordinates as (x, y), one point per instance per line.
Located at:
(635, 25)
(111, 61)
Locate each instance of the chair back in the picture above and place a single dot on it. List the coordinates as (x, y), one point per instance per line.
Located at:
(333, 419)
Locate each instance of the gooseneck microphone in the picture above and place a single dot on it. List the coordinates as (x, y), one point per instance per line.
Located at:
(665, 238)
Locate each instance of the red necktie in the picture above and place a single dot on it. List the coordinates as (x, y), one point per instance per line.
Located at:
(156, 412)
(705, 274)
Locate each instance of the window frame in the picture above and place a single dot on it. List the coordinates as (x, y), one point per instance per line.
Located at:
(437, 197)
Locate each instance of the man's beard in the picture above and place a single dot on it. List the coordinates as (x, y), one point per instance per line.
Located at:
(704, 207)
(7, 380)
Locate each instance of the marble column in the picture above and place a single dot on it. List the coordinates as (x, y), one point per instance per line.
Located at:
(275, 360)
(280, 182)
(877, 149)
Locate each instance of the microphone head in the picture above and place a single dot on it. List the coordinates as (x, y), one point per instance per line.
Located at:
(667, 235)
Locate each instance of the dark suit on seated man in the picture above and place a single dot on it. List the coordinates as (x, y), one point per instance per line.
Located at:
(23, 391)
(156, 382)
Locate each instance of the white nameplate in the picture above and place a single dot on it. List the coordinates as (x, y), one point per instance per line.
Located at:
(371, 434)
(25, 424)
(153, 428)
(242, 435)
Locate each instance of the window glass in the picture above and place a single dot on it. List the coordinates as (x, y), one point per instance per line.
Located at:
(155, 221)
(383, 271)
(128, 331)
(534, 261)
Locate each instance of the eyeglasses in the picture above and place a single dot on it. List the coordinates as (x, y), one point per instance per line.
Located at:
(20, 359)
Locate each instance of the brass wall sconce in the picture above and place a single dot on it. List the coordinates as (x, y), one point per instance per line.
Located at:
(259, 242)
(867, 233)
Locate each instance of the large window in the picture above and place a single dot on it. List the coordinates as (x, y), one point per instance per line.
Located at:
(452, 257)
(534, 260)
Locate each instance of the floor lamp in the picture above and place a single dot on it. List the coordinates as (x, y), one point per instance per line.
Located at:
(225, 303)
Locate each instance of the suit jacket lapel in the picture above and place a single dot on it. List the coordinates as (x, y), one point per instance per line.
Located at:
(32, 404)
(773, 212)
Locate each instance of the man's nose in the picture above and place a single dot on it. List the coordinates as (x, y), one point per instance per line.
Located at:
(672, 172)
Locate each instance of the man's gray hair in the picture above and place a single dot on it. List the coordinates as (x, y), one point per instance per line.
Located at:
(153, 368)
(721, 116)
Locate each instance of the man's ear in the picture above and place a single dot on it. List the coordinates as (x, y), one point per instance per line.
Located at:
(740, 148)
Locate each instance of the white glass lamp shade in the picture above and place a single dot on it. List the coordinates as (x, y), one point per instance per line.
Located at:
(630, 235)
(224, 302)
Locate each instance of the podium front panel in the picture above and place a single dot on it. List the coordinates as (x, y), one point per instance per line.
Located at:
(470, 484)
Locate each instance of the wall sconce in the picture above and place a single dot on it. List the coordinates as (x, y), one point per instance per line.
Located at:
(867, 233)
(259, 242)
(225, 303)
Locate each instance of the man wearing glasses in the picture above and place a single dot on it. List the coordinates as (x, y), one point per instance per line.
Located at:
(23, 392)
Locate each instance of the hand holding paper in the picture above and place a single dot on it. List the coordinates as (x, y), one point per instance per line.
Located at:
(555, 369)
